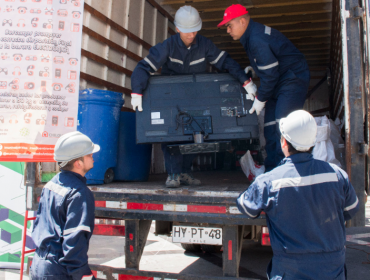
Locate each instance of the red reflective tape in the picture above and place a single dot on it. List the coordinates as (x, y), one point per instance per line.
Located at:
(230, 250)
(131, 236)
(206, 209)
(263, 213)
(132, 277)
(131, 248)
(144, 206)
(100, 204)
(95, 273)
(112, 230)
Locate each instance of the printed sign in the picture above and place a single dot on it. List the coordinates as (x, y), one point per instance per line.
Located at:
(40, 50)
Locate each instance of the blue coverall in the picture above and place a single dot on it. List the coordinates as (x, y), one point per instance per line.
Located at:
(306, 202)
(284, 77)
(175, 58)
(62, 230)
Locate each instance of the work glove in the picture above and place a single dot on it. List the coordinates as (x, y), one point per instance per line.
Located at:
(137, 101)
(257, 106)
(251, 89)
(250, 69)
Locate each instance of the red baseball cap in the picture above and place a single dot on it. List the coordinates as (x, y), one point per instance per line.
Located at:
(234, 11)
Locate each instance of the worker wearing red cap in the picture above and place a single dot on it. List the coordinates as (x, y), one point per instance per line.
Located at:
(282, 69)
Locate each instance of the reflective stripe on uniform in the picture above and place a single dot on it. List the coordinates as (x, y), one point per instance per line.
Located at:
(267, 30)
(58, 189)
(304, 181)
(270, 123)
(245, 210)
(218, 58)
(197, 61)
(352, 206)
(268, 66)
(70, 230)
(150, 63)
(176, 60)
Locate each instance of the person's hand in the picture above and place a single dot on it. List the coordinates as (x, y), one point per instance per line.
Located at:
(250, 69)
(257, 106)
(251, 89)
(137, 101)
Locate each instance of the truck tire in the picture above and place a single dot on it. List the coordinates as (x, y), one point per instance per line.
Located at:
(191, 247)
(211, 248)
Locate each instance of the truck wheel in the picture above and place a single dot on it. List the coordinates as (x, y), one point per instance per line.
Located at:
(211, 248)
(109, 176)
(191, 247)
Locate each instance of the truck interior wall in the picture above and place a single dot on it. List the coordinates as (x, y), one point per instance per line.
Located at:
(136, 25)
(118, 33)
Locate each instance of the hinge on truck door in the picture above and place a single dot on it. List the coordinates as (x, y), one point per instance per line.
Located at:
(357, 12)
(362, 148)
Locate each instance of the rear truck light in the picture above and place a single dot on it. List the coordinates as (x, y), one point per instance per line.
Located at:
(265, 237)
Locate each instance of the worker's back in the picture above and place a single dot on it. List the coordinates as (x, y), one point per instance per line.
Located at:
(307, 207)
(306, 202)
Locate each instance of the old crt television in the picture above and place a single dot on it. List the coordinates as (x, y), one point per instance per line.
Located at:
(215, 105)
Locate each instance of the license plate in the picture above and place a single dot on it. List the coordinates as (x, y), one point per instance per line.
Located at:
(197, 235)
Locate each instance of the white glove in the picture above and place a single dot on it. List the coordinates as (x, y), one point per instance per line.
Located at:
(257, 106)
(250, 69)
(137, 101)
(251, 88)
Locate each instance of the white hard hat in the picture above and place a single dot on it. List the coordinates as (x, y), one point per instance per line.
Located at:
(187, 19)
(73, 145)
(300, 129)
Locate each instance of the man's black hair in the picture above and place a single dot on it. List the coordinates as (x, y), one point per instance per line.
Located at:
(293, 151)
(69, 165)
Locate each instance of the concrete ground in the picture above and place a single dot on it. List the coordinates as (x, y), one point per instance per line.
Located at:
(161, 254)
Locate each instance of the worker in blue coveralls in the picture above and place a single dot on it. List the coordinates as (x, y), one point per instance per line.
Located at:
(282, 69)
(184, 53)
(65, 217)
(306, 202)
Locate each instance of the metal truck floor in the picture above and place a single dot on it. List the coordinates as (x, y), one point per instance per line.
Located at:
(229, 183)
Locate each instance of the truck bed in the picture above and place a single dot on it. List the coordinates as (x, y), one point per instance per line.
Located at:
(216, 183)
(212, 202)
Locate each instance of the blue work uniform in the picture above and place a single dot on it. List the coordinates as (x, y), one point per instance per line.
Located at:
(284, 80)
(176, 59)
(306, 202)
(62, 230)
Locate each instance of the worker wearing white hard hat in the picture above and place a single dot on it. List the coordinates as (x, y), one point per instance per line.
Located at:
(65, 217)
(306, 203)
(184, 53)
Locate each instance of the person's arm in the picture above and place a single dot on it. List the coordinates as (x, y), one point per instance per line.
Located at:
(351, 204)
(222, 61)
(256, 198)
(268, 68)
(76, 235)
(157, 56)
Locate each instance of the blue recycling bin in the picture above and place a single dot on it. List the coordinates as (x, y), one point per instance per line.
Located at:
(98, 118)
(133, 160)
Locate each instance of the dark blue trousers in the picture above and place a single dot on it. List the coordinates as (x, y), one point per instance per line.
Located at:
(289, 95)
(177, 163)
(318, 266)
(45, 266)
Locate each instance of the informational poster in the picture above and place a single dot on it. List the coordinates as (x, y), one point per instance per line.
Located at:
(12, 210)
(40, 50)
